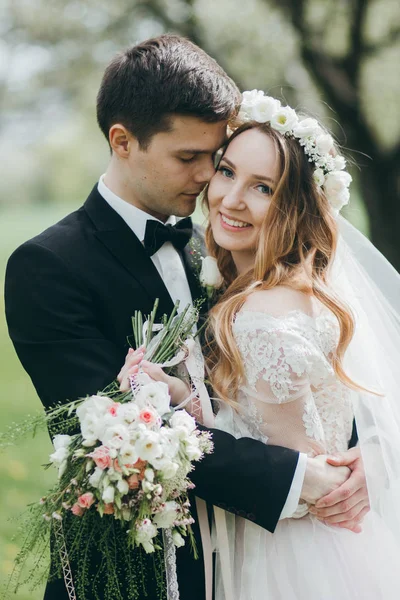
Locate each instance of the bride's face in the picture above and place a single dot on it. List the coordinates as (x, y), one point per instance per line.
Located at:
(240, 193)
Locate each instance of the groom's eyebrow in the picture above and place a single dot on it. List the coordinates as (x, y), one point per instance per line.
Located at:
(263, 177)
(198, 151)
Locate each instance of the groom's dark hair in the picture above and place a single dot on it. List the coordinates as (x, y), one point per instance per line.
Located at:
(144, 85)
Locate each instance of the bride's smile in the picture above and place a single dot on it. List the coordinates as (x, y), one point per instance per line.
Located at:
(240, 193)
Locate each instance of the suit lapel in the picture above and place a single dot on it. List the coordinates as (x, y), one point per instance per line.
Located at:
(119, 239)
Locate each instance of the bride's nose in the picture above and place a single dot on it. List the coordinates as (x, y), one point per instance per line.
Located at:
(234, 199)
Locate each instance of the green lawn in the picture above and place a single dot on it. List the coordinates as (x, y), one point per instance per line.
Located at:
(22, 480)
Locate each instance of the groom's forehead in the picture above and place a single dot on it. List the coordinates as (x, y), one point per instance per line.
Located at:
(193, 135)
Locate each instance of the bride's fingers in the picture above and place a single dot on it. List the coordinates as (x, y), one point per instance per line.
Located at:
(351, 514)
(340, 508)
(125, 383)
(354, 525)
(154, 371)
(132, 358)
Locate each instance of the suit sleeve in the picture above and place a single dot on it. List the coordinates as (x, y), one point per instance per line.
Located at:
(52, 324)
(246, 477)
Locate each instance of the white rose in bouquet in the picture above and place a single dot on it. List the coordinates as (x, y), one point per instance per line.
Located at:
(115, 436)
(167, 516)
(95, 477)
(157, 395)
(148, 446)
(193, 452)
(166, 467)
(178, 539)
(108, 494)
(145, 532)
(210, 275)
(182, 419)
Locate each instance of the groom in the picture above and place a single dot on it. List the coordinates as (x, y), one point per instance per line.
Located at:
(163, 106)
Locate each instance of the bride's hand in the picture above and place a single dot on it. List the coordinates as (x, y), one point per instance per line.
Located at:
(347, 505)
(178, 389)
(130, 367)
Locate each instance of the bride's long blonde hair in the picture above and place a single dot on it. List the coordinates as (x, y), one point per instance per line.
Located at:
(299, 234)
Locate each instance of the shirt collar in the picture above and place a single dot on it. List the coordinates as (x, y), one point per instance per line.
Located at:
(134, 217)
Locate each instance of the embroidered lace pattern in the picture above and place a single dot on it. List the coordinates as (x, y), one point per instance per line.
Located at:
(287, 360)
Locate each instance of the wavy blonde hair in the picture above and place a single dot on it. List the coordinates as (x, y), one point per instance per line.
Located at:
(299, 234)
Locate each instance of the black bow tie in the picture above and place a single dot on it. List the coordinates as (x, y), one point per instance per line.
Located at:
(157, 234)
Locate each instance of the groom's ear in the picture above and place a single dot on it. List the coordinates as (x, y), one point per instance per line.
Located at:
(121, 140)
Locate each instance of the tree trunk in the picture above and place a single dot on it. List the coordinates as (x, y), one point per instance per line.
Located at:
(380, 189)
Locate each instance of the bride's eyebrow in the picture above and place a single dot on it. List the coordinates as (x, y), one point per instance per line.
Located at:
(263, 177)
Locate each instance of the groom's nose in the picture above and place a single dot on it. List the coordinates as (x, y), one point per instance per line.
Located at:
(205, 170)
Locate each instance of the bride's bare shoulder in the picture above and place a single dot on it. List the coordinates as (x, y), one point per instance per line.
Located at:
(279, 301)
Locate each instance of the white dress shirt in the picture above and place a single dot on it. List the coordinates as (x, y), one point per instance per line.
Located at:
(169, 265)
(166, 260)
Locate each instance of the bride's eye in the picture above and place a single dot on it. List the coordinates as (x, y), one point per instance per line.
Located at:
(226, 172)
(264, 189)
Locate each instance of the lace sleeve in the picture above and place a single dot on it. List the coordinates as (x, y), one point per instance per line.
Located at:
(282, 365)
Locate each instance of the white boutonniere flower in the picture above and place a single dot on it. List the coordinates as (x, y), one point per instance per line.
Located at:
(210, 276)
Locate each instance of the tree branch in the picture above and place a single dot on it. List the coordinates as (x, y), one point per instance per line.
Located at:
(389, 40)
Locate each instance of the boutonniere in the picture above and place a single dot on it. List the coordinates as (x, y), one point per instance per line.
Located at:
(210, 276)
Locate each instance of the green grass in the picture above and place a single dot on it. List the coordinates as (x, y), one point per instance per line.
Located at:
(22, 479)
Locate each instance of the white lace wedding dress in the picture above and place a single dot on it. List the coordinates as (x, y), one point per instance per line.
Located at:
(291, 397)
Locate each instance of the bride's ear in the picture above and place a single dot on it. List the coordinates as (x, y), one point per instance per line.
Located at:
(122, 142)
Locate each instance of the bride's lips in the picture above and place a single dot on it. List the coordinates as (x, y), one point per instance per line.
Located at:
(231, 224)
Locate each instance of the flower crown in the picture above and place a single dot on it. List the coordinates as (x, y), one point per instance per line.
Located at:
(317, 143)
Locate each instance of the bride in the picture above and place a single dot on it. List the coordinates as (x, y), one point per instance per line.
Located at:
(298, 349)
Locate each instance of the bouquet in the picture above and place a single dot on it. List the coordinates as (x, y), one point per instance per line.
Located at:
(126, 458)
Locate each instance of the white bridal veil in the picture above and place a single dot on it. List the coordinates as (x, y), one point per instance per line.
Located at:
(371, 286)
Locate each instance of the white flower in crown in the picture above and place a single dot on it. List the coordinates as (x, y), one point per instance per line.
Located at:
(249, 99)
(324, 143)
(284, 120)
(317, 144)
(264, 109)
(336, 188)
(319, 177)
(339, 163)
(307, 128)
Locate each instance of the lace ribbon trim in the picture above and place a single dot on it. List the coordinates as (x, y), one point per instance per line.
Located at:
(66, 567)
(170, 565)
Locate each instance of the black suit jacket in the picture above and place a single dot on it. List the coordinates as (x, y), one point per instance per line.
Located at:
(70, 293)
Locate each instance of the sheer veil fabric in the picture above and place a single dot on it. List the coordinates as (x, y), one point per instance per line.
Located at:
(292, 395)
(371, 286)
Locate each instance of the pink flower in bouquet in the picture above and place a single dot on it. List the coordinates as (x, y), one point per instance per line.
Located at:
(148, 416)
(116, 466)
(86, 500)
(133, 481)
(113, 409)
(77, 510)
(108, 509)
(101, 457)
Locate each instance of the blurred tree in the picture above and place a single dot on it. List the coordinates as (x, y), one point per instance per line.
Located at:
(338, 58)
(344, 71)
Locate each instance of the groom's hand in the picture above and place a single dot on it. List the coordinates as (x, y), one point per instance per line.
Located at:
(322, 478)
(348, 504)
